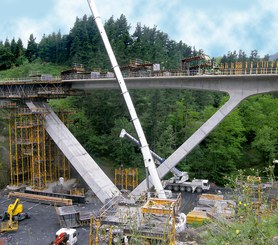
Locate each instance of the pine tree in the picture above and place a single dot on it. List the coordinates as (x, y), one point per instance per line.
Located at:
(32, 49)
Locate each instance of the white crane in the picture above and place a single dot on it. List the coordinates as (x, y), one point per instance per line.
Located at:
(178, 175)
(148, 159)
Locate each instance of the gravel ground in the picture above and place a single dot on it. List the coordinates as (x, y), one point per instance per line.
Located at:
(40, 229)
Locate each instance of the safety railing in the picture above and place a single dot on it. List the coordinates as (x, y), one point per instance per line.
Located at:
(30, 79)
(214, 72)
(149, 73)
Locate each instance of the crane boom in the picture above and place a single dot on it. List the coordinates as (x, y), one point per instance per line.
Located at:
(148, 159)
(174, 170)
(125, 134)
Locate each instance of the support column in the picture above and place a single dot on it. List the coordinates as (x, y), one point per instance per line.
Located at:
(194, 140)
(88, 169)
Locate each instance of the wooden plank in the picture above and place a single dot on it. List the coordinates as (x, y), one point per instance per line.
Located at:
(40, 198)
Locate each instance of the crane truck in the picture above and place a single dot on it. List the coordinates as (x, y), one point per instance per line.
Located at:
(179, 182)
(198, 185)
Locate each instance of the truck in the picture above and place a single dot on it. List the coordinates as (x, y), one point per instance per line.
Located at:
(65, 236)
(179, 182)
(198, 185)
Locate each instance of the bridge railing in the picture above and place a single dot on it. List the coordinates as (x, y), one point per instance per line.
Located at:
(30, 79)
(150, 73)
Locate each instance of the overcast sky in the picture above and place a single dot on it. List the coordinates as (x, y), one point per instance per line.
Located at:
(216, 26)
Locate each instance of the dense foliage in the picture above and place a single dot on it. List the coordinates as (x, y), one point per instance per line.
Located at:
(246, 138)
(248, 224)
(83, 45)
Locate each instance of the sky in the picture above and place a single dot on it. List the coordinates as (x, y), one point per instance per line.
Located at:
(215, 26)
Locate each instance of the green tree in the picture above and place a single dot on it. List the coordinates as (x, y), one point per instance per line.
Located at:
(118, 34)
(19, 53)
(6, 58)
(122, 151)
(32, 49)
(224, 147)
(260, 118)
(166, 143)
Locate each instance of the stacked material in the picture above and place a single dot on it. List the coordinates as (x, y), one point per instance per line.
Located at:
(224, 209)
(210, 199)
(196, 216)
(206, 209)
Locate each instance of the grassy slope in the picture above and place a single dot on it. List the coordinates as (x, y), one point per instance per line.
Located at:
(28, 68)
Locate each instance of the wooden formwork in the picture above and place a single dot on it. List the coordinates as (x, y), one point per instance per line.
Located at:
(195, 216)
(161, 206)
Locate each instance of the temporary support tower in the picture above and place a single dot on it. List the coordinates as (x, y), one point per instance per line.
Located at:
(27, 148)
(34, 158)
(126, 178)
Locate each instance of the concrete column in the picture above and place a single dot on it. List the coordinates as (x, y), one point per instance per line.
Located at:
(195, 139)
(84, 164)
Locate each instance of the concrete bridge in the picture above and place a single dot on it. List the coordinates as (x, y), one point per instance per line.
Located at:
(238, 87)
(252, 84)
(33, 89)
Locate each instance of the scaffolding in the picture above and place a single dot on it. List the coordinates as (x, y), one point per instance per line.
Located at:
(27, 148)
(151, 223)
(126, 178)
(256, 196)
(34, 158)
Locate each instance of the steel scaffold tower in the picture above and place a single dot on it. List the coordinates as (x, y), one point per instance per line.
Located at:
(34, 158)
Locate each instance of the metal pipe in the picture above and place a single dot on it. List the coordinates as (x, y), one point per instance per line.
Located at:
(148, 159)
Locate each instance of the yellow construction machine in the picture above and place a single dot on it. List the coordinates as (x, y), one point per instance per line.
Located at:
(13, 214)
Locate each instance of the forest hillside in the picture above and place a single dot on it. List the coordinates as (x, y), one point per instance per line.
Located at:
(247, 139)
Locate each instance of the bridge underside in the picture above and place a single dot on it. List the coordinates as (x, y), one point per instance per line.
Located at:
(238, 87)
(32, 89)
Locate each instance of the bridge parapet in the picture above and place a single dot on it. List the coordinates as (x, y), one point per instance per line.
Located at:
(229, 69)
